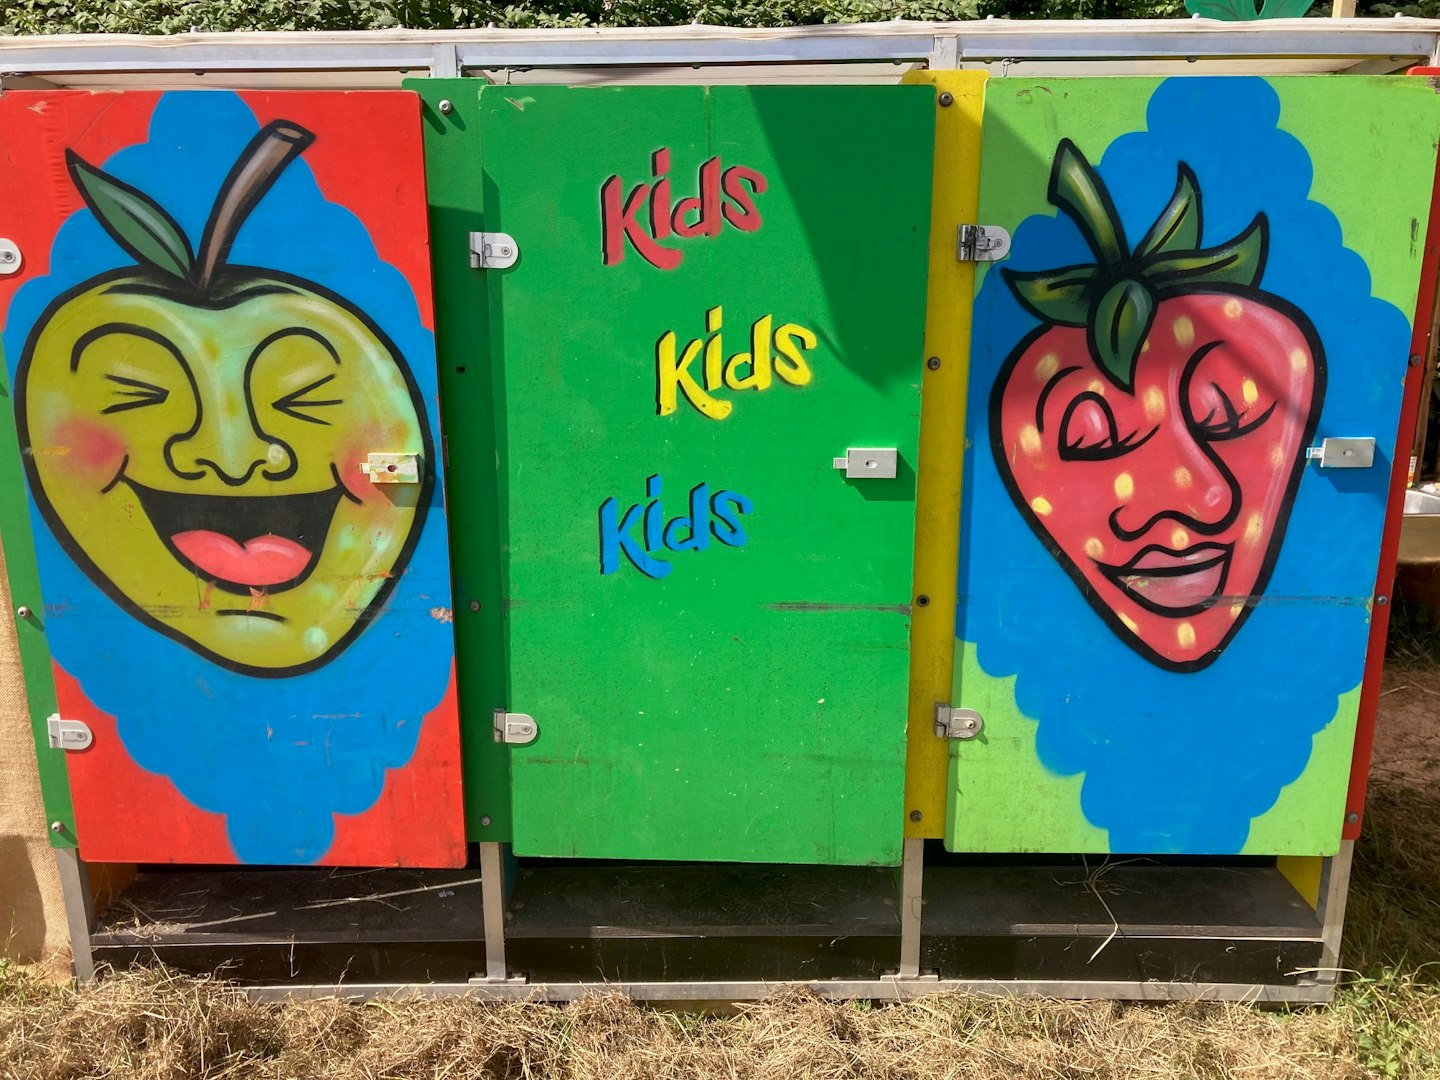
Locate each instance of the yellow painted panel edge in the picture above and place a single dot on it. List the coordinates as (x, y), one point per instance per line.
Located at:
(949, 298)
(1303, 872)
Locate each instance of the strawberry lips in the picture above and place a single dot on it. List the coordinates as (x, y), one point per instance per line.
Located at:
(242, 542)
(1174, 583)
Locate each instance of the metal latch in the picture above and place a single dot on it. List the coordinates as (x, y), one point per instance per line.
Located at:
(952, 723)
(392, 468)
(981, 243)
(1343, 453)
(869, 462)
(515, 728)
(492, 250)
(68, 734)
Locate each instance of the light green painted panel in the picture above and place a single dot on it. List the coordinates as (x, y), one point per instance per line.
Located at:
(1164, 605)
(730, 685)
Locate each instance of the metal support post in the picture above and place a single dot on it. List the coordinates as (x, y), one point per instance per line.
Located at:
(445, 61)
(492, 893)
(79, 910)
(912, 881)
(1334, 893)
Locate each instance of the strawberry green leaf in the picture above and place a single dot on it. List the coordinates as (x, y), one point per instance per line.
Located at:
(1057, 296)
(134, 220)
(1076, 189)
(1178, 226)
(1121, 322)
(1240, 262)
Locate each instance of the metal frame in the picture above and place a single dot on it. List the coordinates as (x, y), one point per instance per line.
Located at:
(891, 989)
(1344, 44)
(1316, 985)
(1367, 44)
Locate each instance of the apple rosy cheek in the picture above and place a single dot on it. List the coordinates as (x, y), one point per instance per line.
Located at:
(89, 446)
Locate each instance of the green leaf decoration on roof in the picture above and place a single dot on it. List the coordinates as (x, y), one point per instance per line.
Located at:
(1245, 10)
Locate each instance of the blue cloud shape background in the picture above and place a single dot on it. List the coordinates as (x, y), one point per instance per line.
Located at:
(1182, 762)
(277, 757)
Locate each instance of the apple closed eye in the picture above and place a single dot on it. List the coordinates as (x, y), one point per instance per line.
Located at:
(294, 370)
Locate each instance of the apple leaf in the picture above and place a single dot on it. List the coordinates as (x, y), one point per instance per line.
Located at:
(1240, 262)
(1178, 226)
(1121, 322)
(134, 220)
(1076, 189)
(1057, 296)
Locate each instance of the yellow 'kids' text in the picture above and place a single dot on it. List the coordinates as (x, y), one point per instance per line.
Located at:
(773, 352)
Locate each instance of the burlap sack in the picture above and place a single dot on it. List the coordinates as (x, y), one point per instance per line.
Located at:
(32, 913)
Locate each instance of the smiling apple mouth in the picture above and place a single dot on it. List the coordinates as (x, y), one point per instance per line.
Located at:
(1174, 583)
(242, 543)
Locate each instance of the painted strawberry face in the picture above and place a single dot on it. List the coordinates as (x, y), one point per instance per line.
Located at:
(1153, 431)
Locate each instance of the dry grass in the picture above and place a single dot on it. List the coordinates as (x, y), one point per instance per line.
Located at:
(150, 1025)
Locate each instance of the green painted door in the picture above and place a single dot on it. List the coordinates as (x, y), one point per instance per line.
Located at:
(719, 291)
(1164, 596)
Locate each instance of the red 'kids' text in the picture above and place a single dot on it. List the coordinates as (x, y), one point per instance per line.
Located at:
(648, 214)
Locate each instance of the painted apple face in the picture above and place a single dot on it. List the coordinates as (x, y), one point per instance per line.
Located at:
(1153, 429)
(203, 462)
(194, 432)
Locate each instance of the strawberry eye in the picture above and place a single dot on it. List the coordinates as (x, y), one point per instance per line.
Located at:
(1088, 431)
(1223, 419)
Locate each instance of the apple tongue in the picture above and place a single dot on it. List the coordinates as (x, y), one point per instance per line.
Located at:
(265, 560)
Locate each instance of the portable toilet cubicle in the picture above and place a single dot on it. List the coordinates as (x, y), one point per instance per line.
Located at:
(924, 525)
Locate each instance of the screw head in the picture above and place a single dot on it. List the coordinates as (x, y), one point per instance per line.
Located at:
(485, 821)
(933, 363)
(1351, 818)
(1415, 359)
(947, 99)
(922, 600)
(474, 605)
(446, 106)
(23, 612)
(57, 826)
(916, 815)
(7, 256)
(1381, 601)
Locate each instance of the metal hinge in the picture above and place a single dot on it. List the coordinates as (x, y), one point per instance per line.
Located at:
(515, 728)
(492, 250)
(981, 243)
(68, 734)
(953, 723)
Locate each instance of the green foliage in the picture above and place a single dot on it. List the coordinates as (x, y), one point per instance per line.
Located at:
(180, 16)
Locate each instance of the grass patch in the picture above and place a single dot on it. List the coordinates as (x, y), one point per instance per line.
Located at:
(152, 1025)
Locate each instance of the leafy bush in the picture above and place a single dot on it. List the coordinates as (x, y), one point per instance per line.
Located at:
(179, 16)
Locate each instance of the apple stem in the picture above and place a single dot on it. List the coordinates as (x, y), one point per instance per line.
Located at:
(254, 172)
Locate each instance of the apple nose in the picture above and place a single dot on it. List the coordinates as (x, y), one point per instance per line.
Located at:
(233, 455)
(1174, 479)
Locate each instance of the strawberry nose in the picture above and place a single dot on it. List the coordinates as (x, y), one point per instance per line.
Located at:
(1176, 483)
